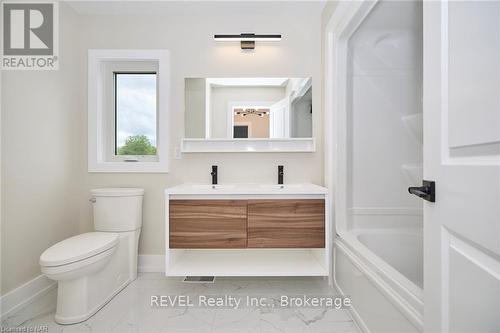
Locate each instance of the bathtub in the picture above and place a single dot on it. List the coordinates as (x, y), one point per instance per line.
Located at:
(409, 257)
(382, 271)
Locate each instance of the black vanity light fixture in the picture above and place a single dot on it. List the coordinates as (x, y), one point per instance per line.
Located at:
(247, 40)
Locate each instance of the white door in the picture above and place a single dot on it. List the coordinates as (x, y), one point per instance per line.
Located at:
(279, 119)
(462, 154)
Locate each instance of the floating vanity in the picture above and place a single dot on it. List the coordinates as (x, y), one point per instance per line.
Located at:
(247, 230)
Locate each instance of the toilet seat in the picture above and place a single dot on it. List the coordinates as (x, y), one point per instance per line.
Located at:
(78, 248)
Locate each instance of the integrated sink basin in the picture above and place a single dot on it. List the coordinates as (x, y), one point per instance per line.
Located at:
(245, 189)
(212, 187)
(281, 186)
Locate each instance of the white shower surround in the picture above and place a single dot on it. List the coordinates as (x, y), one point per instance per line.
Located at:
(377, 99)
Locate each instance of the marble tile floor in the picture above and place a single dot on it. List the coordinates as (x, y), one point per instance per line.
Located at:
(131, 310)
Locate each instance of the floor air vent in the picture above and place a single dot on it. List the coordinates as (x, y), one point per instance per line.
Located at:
(199, 279)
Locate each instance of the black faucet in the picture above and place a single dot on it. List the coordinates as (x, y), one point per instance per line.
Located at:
(214, 174)
(280, 175)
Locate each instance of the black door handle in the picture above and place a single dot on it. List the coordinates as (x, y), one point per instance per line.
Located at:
(427, 191)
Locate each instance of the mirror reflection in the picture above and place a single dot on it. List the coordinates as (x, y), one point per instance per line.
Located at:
(254, 108)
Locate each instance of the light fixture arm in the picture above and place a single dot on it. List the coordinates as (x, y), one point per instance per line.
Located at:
(247, 39)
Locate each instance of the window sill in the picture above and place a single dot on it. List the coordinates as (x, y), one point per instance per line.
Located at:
(133, 167)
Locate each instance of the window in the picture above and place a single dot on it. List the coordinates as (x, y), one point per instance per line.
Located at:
(135, 114)
(127, 102)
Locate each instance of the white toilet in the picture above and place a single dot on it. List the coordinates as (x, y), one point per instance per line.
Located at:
(93, 267)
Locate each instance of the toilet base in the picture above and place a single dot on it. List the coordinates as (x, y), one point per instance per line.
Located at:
(79, 299)
(63, 319)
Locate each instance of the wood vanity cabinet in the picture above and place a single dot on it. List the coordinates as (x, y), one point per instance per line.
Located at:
(223, 224)
(286, 223)
(204, 224)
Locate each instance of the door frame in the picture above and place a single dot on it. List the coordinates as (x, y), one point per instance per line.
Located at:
(286, 118)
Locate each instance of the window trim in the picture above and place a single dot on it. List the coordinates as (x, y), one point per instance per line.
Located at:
(98, 106)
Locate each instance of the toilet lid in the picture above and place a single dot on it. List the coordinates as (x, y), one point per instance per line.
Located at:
(78, 248)
(117, 192)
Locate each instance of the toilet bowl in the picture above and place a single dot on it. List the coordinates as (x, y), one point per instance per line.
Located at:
(78, 255)
(91, 268)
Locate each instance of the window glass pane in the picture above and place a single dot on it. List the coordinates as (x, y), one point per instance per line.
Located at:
(135, 113)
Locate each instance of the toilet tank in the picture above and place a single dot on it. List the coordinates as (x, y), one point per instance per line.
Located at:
(117, 209)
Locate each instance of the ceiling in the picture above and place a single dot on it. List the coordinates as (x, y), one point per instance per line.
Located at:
(159, 7)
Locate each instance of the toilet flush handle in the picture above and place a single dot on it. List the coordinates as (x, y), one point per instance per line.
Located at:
(93, 200)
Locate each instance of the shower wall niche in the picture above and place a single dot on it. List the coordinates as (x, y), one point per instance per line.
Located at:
(385, 118)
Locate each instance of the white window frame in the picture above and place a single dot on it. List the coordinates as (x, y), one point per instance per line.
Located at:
(99, 131)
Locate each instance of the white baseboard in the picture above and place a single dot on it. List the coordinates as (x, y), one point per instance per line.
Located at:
(25, 294)
(151, 263)
(41, 285)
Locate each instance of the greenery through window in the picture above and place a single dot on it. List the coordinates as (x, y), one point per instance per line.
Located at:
(135, 113)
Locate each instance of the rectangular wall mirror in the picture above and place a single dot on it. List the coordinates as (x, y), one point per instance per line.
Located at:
(248, 108)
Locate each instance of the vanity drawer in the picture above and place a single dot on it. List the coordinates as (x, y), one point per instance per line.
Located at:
(205, 224)
(286, 223)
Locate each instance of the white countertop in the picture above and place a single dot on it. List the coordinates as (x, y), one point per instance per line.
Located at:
(246, 189)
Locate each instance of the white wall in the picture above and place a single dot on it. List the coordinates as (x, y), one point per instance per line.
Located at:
(195, 107)
(186, 29)
(42, 157)
(386, 80)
